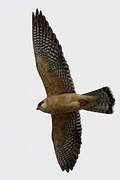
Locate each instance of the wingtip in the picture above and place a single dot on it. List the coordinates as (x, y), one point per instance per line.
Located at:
(40, 13)
(67, 167)
(37, 12)
(36, 16)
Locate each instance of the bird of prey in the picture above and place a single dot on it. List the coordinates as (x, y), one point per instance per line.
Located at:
(62, 102)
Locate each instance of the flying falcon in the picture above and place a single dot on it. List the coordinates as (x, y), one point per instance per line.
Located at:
(62, 102)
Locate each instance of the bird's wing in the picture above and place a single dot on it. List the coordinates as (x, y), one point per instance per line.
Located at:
(51, 65)
(66, 136)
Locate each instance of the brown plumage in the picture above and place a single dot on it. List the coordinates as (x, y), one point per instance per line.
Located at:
(62, 102)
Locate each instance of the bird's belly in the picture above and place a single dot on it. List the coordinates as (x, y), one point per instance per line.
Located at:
(62, 104)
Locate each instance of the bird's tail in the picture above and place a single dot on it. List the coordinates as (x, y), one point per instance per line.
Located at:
(105, 101)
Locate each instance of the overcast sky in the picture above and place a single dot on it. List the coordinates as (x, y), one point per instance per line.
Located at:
(89, 32)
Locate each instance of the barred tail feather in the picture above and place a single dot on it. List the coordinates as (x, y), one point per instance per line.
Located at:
(105, 101)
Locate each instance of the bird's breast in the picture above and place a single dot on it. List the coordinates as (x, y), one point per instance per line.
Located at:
(61, 103)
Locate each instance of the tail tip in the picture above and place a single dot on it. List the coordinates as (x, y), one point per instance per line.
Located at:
(111, 98)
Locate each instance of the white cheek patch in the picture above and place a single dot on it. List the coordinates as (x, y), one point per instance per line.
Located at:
(44, 105)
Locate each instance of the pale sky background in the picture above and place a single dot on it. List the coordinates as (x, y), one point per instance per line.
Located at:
(89, 32)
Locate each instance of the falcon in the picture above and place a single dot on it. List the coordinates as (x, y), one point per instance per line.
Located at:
(62, 102)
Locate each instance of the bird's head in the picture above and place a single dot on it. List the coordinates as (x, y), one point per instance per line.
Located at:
(42, 106)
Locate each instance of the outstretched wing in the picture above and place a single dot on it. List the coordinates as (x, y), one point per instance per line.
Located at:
(50, 62)
(66, 136)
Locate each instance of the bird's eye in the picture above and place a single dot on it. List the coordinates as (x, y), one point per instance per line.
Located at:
(40, 103)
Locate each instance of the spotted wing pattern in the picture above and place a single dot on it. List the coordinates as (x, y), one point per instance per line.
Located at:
(51, 65)
(66, 136)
